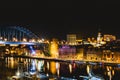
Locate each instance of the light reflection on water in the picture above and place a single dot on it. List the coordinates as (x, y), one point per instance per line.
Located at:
(58, 69)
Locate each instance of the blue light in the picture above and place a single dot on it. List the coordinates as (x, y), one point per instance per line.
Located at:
(33, 51)
(12, 42)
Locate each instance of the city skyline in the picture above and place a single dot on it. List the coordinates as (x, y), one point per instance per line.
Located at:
(56, 40)
(58, 20)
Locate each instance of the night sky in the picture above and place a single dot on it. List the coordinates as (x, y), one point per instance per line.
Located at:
(55, 19)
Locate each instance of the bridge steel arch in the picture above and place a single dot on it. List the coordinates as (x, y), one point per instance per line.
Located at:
(16, 32)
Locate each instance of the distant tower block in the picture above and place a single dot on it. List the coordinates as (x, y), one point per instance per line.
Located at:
(54, 48)
(71, 39)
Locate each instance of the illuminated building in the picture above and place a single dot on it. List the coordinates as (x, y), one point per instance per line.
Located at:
(64, 50)
(92, 54)
(108, 37)
(80, 53)
(71, 39)
(54, 48)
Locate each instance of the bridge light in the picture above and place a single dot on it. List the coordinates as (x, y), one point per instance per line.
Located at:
(47, 41)
(30, 40)
(5, 39)
(39, 40)
(33, 40)
(24, 40)
(14, 39)
(43, 39)
(1, 38)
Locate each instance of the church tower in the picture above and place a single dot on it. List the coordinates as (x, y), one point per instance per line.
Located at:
(99, 37)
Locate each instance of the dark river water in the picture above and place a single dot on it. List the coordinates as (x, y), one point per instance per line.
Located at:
(34, 69)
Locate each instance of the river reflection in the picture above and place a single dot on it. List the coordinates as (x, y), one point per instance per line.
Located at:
(34, 69)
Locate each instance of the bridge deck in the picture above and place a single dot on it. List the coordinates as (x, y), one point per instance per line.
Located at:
(26, 43)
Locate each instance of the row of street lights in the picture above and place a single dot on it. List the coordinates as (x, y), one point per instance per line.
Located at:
(25, 40)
